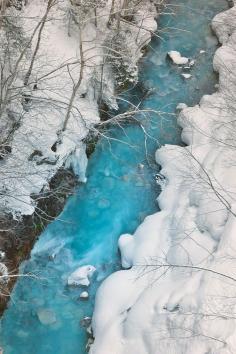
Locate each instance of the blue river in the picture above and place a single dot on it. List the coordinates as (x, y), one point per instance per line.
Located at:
(119, 192)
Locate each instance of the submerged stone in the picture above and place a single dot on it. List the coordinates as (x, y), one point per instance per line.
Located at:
(103, 203)
(125, 178)
(46, 316)
(139, 182)
(21, 334)
(107, 172)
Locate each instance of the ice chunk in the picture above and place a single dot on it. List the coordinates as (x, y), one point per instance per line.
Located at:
(81, 276)
(177, 58)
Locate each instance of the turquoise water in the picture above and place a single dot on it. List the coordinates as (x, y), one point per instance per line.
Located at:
(117, 196)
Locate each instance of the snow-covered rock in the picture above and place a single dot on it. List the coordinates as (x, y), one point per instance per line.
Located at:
(81, 276)
(186, 76)
(177, 58)
(84, 295)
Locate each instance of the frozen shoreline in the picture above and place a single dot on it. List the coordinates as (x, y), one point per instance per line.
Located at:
(189, 307)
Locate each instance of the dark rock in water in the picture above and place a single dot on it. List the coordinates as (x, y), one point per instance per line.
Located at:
(85, 322)
(88, 345)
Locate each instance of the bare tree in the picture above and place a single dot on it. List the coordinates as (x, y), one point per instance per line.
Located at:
(50, 4)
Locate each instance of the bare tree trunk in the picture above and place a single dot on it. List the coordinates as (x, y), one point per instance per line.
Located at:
(112, 14)
(76, 87)
(101, 82)
(3, 9)
(43, 21)
(118, 15)
(141, 25)
(95, 17)
(125, 7)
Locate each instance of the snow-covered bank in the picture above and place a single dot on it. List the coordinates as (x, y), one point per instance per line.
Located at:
(179, 294)
(40, 140)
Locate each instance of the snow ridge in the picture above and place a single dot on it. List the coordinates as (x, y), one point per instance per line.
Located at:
(178, 292)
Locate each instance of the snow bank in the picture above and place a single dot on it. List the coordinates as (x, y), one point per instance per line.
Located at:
(179, 295)
(35, 154)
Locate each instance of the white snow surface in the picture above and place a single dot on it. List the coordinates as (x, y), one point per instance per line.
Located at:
(23, 173)
(181, 106)
(179, 294)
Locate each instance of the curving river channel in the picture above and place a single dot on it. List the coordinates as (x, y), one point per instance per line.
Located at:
(44, 315)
